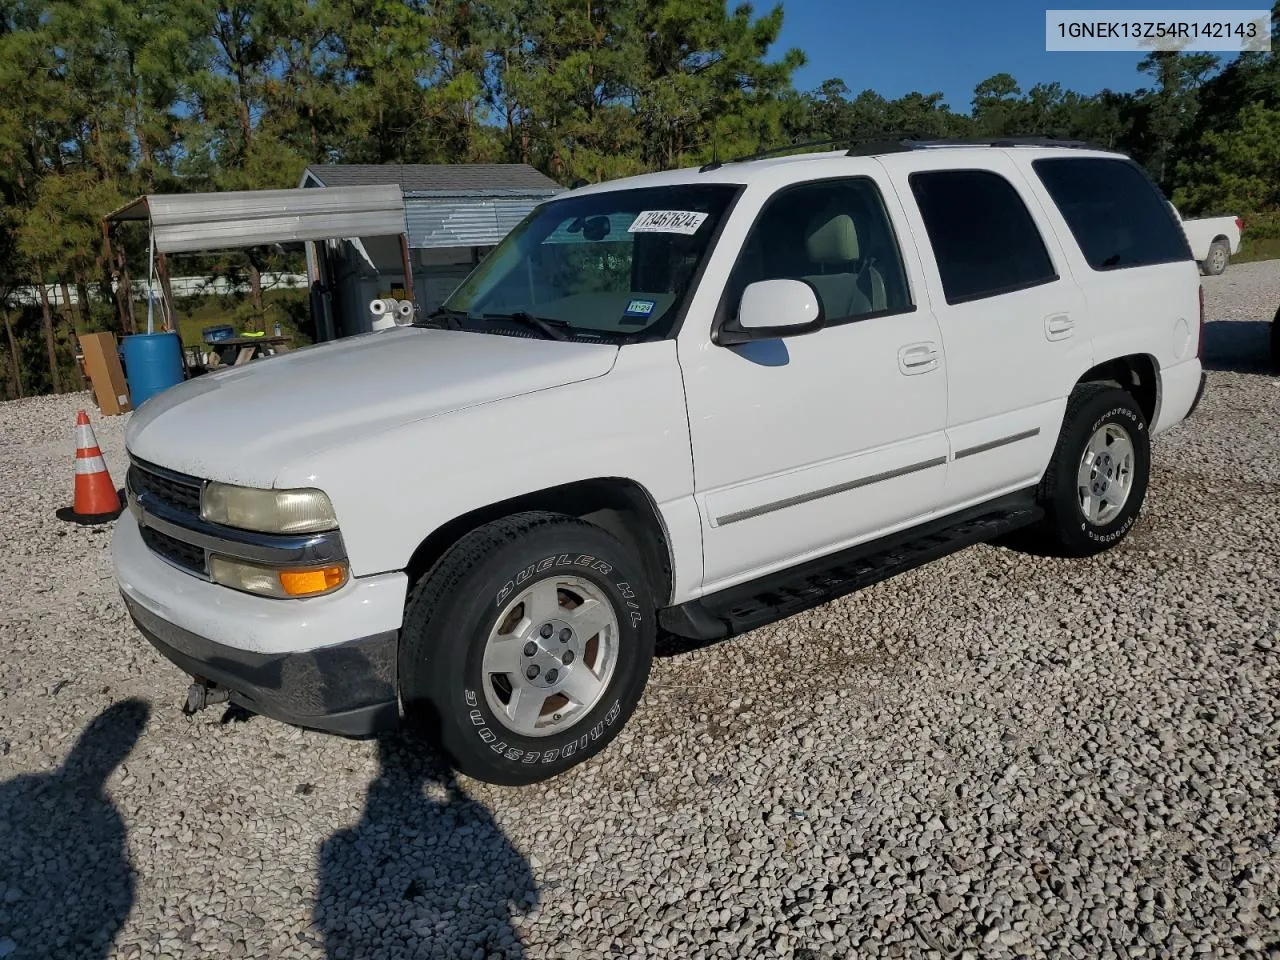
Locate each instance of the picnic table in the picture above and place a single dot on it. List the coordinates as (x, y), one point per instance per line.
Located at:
(237, 350)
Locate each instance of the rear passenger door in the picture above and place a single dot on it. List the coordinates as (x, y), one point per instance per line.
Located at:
(1013, 321)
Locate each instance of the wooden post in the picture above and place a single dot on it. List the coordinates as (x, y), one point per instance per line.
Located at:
(166, 289)
(126, 286)
(408, 267)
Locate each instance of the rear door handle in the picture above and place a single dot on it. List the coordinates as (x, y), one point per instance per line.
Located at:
(1058, 326)
(917, 358)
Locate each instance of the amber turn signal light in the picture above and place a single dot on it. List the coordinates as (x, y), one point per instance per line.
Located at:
(304, 583)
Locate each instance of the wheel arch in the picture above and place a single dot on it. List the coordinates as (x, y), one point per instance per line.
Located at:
(618, 505)
(1136, 373)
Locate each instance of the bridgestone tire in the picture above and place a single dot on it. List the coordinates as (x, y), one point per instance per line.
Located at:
(1208, 265)
(447, 625)
(1066, 529)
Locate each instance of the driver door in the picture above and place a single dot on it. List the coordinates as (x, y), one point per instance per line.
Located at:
(807, 444)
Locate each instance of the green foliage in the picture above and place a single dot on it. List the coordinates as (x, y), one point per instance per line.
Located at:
(102, 100)
(289, 308)
(1236, 168)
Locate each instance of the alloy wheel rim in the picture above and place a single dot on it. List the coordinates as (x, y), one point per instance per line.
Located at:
(1105, 476)
(550, 655)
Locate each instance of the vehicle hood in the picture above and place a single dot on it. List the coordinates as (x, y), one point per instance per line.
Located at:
(245, 424)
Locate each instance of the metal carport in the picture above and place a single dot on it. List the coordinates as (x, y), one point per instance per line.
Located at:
(192, 222)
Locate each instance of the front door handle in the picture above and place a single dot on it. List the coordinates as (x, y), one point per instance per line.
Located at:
(1058, 326)
(917, 358)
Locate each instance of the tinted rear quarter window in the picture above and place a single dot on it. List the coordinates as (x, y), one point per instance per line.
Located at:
(982, 234)
(1116, 214)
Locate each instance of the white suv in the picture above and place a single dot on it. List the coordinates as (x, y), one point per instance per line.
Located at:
(697, 400)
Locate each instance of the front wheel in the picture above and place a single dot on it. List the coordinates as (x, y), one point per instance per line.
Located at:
(526, 647)
(1097, 479)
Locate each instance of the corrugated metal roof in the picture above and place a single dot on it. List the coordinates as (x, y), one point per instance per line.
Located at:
(465, 178)
(244, 218)
(463, 223)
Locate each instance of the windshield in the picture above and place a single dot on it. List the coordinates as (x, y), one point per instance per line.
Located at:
(614, 263)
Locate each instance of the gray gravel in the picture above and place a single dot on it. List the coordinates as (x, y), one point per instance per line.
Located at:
(995, 756)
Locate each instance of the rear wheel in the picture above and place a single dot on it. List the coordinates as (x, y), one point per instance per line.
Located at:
(527, 646)
(1097, 479)
(1219, 256)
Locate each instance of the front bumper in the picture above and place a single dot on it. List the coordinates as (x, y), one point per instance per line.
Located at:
(348, 688)
(327, 662)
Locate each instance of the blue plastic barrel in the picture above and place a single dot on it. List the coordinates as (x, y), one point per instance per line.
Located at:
(153, 362)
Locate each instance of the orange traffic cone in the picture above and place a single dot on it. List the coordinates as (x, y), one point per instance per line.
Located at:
(96, 499)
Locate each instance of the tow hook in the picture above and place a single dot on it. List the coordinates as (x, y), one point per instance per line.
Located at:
(204, 693)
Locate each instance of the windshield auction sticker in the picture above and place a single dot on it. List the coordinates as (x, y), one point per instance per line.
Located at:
(667, 221)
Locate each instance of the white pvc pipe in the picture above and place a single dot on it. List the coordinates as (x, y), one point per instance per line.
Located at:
(151, 283)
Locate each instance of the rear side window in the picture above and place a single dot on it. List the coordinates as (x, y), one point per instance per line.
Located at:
(1117, 215)
(982, 234)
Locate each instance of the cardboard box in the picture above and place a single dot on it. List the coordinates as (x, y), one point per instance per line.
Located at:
(105, 373)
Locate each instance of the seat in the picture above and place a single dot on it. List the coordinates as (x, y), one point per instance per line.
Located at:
(853, 286)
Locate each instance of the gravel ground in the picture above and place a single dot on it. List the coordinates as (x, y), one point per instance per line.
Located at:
(995, 756)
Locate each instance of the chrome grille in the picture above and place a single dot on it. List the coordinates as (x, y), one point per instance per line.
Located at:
(175, 490)
(185, 555)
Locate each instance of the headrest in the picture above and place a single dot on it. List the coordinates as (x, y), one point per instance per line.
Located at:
(831, 238)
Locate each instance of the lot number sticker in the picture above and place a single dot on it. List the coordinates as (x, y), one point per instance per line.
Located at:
(667, 221)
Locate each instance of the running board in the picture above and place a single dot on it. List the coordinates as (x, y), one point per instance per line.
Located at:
(788, 592)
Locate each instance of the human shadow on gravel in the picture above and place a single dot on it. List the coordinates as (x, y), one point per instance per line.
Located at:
(425, 873)
(1242, 346)
(66, 883)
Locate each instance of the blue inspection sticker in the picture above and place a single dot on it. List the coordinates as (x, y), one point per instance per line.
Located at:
(639, 309)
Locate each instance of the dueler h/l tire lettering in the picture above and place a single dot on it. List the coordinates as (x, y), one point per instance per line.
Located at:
(537, 605)
(1093, 489)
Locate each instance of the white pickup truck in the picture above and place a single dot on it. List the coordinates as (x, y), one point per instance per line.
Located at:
(698, 400)
(1213, 240)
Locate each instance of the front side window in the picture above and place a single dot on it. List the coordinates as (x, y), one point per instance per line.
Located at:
(1116, 214)
(982, 234)
(835, 235)
(613, 263)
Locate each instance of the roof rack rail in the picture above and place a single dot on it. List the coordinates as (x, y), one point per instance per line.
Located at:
(773, 152)
(902, 142)
(1039, 140)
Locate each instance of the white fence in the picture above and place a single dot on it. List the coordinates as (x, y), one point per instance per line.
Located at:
(181, 286)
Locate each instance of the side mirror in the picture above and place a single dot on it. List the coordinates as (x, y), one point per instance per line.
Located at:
(771, 309)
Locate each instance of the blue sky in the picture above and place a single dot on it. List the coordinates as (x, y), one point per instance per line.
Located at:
(896, 46)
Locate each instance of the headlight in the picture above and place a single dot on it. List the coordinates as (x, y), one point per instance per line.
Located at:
(267, 511)
(275, 582)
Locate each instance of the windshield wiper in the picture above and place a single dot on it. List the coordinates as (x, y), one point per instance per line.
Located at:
(551, 329)
(452, 319)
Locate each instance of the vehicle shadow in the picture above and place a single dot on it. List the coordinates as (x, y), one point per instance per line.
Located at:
(66, 882)
(427, 872)
(670, 645)
(1242, 346)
